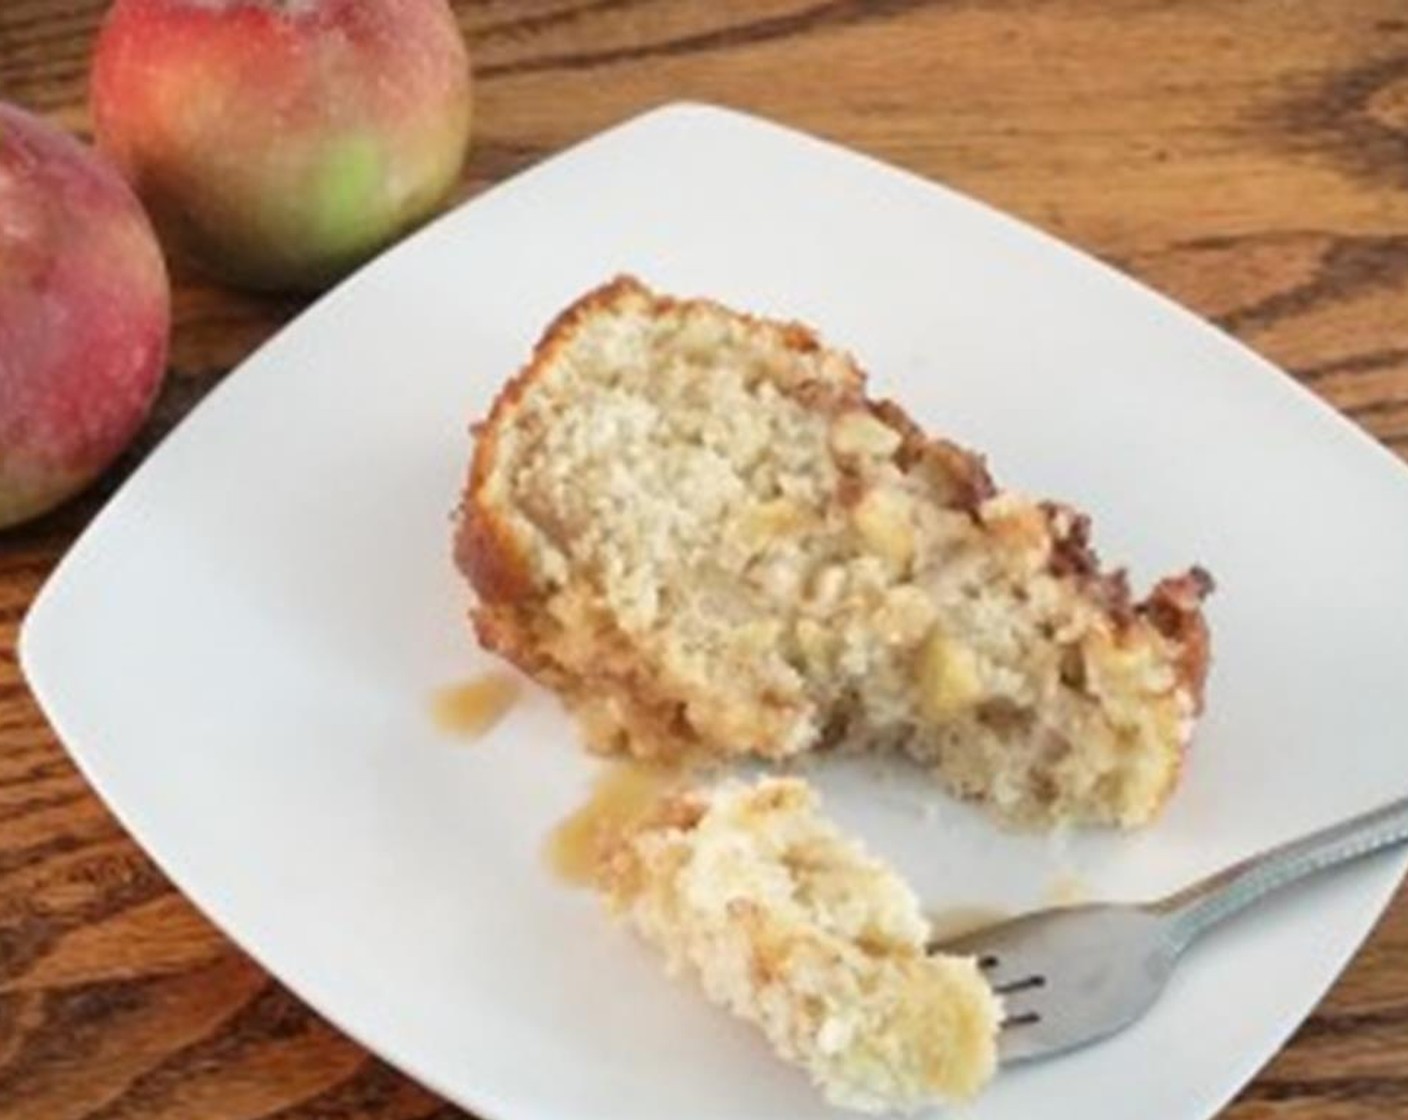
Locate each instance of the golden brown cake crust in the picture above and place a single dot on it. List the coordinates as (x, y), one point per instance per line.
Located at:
(1175, 608)
(484, 548)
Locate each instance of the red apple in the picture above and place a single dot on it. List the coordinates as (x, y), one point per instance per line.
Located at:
(85, 314)
(282, 142)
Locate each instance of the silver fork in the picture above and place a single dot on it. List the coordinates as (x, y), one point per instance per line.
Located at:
(1076, 974)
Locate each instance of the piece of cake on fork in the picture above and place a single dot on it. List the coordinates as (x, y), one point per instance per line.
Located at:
(792, 926)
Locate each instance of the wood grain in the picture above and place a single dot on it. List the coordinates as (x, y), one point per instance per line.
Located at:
(1250, 159)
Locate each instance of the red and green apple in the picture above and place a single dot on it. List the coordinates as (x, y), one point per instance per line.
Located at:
(85, 315)
(283, 142)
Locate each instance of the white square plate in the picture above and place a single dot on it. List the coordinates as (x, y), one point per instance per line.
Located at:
(240, 650)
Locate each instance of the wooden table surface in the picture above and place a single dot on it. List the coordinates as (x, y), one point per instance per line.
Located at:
(1250, 158)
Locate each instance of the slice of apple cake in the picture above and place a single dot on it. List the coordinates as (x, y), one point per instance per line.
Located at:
(696, 526)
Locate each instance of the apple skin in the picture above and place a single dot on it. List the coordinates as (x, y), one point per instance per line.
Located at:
(280, 143)
(85, 316)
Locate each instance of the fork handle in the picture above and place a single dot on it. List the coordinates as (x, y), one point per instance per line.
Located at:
(1204, 904)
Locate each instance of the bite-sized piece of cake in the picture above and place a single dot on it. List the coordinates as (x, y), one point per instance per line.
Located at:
(695, 526)
(790, 925)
